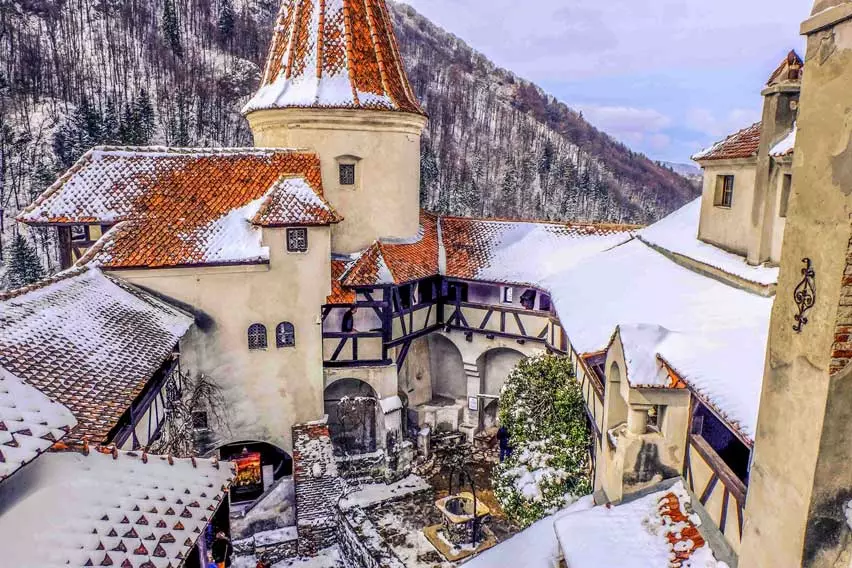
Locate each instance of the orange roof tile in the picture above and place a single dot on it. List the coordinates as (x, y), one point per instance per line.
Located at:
(472, 245)
(339, 294)
(176, 207)
(334, 54)
(388, 262)
(789, 70)
(743, 144)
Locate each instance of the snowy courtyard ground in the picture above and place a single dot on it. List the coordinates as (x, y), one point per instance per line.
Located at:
(400, 511)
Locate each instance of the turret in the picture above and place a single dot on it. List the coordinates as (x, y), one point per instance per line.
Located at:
(334, 83)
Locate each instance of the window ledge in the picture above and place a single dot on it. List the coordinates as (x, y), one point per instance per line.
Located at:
(721, 206)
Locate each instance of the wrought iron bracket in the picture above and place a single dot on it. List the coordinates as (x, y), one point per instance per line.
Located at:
(805, 295)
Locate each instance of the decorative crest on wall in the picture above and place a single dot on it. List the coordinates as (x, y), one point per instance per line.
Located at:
(805, 295)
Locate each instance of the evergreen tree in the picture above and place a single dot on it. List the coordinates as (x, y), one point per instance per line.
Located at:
(171, 28)
(112, 123)
(428, 173)
(145, 118)
(227, 20)
(24, 266)
(79, 133)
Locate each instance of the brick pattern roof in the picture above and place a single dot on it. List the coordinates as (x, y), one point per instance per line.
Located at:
(389, 262)
(178, 207)
(30, 423)
(472, 246)
(743, 144)
(468, 246)
(89, 342)
(334, 54)
(113, 508)
(339, 294)
(788, 71)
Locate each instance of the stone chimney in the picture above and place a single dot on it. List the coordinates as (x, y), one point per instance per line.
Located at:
(780, 106)
(801, 477)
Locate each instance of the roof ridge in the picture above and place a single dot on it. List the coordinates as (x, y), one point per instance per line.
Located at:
(625, 226)
(44, 283)
(159, 149)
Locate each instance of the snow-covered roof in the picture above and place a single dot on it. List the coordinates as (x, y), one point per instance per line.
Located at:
(742, 144)
(88, 341)
(534, 547)
(334, 54)
(518, 252)
(521, 252)
(660, 529)
(678, 233)
(712, 334)
(118, 509)
(786, 146)
(177, 207)
(30, 423)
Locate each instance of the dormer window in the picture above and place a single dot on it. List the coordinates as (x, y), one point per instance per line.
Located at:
(347, 174)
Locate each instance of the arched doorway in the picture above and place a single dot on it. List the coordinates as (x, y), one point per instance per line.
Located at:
(495, 366)
(258, 464)
(352, 406)
(448, 376)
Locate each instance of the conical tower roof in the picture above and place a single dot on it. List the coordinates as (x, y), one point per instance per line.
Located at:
(334, 54)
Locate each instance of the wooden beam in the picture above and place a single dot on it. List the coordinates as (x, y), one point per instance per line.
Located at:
(403, 354)
(340, 347)
(711, 484)
(486, 318)
(520, 324)
(724, 516)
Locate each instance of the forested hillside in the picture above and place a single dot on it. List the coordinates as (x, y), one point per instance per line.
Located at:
(75, 73)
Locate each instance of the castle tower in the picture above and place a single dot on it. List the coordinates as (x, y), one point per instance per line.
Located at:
(801, 476)
(780, 106)
(334, 83)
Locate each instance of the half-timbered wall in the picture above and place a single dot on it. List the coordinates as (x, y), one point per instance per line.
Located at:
(143, 422)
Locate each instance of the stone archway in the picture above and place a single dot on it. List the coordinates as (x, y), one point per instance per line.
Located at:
(352, 407)
(448, 374)
(495, 366)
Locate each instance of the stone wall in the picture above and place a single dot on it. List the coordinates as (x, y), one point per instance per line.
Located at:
(360, 542)
(318, 487)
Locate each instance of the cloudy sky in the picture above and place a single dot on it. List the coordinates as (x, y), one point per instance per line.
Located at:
(666, 77)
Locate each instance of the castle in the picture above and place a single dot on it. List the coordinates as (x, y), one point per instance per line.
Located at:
(302, 278)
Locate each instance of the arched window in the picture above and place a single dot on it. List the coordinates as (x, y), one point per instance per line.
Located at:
(257, 336)
(285, 335)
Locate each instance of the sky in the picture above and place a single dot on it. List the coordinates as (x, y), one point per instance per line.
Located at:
(666, 77)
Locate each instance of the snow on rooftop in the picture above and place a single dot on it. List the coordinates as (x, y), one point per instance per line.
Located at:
(652, 531)
(29, 423)
(786, 145)
(132, 509)
(534, 547)
(678, 233)
(88, 341)
(715, 334)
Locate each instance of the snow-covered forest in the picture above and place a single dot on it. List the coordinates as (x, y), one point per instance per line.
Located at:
(75, 73)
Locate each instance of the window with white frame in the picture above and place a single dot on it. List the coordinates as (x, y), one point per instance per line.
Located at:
(508, 294)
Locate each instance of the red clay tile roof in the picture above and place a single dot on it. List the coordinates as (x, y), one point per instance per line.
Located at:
(339, 294)
(473, 246)
(470, 247)
(388, 262)
(743, 144)
(88, 341)
(112, 508)
(177, 207)
(334, 54)
(30, 423)
(789, 70)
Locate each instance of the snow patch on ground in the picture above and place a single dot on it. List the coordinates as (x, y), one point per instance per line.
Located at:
(369, 495)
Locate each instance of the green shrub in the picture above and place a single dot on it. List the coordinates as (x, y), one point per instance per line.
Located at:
(542, 406)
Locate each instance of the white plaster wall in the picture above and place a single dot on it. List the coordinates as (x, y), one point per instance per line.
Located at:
(267, 391)
(728, 228)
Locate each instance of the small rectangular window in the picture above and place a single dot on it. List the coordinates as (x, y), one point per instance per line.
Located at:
(724, 191)
(79, 233)
(508, 292)
(297, 240)
(544, 303)
(199, 420)
(347, 174)
(786, 186)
